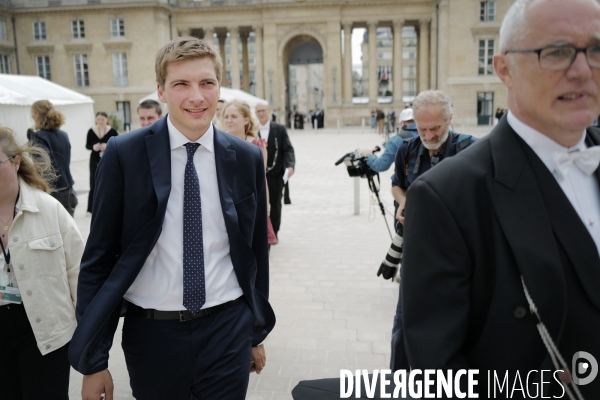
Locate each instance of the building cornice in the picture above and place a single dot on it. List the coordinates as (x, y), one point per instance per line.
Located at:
(40, 48)
(103, 8)
(78, 48)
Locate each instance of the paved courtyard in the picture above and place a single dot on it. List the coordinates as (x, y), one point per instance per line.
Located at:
(333, 312)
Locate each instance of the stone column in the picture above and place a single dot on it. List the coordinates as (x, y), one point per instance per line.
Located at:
(347, 63)
(398, 73)
(222, 36)
(373, 81)
(423, 55)
(258, 62)
(208, 36)
(235, 57)
(245, 62)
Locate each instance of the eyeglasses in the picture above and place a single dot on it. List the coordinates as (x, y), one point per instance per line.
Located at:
(557, 58)
(8, 159)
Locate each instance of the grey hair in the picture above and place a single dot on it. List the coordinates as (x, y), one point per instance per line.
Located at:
(514, 28)
(433, 97)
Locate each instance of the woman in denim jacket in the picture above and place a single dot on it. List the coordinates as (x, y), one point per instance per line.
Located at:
(39, 266)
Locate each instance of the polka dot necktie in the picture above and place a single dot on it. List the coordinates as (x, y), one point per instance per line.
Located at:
(194, 293)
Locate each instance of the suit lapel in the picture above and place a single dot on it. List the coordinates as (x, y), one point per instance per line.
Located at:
(225, 158)
(159, 155)
(271, 150)
(525, 221)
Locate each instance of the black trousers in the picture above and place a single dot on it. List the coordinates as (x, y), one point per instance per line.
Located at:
(67, 198)
(275, 194)
(24, 373)
(206, 358)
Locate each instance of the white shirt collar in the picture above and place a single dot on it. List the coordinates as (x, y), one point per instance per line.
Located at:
(266, 126)
(541, 144)
(177, 139)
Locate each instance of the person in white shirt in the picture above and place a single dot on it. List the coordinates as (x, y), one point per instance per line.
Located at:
(281, 161)
(501, 268)
(179, 235)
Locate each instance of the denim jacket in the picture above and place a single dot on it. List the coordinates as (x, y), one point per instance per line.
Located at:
(46, 248)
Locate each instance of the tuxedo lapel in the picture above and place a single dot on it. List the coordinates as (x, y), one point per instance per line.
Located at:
(525, 221)
(159, 156)
(569, 230)
(272, 149)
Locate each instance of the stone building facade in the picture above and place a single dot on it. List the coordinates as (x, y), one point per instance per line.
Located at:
(106, 48)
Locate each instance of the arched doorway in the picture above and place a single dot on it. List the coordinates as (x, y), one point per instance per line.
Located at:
(304, 77)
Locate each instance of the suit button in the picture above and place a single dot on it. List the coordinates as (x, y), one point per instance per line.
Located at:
(519, 312)
(47, 346)
(29, 292)
(15, 239)
(21, 266)
(52, 244)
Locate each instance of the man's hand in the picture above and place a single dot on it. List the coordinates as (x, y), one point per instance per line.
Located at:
(95, 385)
(400, 213)
(290, 172)
(259, 359)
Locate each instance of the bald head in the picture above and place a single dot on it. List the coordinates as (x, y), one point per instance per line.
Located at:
(263, 113)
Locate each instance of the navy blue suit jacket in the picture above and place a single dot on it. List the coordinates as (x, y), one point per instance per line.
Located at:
(133, 183)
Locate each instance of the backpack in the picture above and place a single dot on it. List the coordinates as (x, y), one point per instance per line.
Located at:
(462, 143)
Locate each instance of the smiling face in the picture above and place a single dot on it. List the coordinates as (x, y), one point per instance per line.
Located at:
(235, 122)
(560, 104)
(191, 91)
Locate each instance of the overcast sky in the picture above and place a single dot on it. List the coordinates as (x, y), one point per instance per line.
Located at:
(357, 37)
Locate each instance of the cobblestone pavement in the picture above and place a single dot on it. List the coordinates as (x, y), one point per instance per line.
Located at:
(332, 310)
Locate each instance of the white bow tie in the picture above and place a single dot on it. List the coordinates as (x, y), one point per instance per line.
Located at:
(587, 161)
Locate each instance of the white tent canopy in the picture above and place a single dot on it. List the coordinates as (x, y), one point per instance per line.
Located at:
(226, 94)
(19, 92)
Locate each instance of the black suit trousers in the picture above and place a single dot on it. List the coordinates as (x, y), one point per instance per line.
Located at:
(275, 184)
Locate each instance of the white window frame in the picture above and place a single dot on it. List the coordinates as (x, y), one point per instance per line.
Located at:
(487, 11)
(117, 27)
(77, 29)
(3, 33)
(120, 69)
(485, 66)
(43, 69)
(82, 77)
(4, 64)
(39, 30)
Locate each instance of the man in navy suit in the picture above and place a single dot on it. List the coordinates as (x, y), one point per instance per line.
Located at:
(179, 234)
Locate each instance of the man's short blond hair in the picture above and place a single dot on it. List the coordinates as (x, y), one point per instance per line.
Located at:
(185, 48)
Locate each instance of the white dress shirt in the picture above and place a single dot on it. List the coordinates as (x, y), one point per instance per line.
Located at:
(582, 190)
(264, 130)
(159, 285)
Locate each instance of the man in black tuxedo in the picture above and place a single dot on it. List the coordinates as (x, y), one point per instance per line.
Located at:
(281, 160)
(518, 212)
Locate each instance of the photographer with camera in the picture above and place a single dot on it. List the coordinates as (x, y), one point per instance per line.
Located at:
(436, 142)
(383, 163)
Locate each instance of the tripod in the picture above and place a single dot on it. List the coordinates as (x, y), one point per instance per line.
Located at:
(375, 189)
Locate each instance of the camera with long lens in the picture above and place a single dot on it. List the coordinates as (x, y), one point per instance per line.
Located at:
(391, 263)
(357, 165)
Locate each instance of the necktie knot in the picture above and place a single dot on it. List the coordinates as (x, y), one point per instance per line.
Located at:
(587, 161)
(191, 149)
